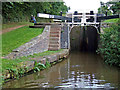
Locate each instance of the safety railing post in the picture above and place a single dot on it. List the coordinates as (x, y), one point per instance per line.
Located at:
(72, 19)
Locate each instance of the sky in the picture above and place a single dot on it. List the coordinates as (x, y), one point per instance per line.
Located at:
(83, 5)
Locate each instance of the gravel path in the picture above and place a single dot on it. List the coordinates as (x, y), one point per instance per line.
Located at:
(10, 29)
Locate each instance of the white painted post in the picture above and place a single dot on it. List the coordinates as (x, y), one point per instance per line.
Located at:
(83, 19)
(95, 18)
(72, 19)
(65, 21)
(68, 37)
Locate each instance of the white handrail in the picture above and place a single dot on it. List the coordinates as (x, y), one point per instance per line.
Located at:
(83, 18)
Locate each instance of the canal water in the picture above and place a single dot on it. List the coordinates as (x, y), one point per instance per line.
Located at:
(80, 70)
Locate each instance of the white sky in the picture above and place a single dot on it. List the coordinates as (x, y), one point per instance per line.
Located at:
(83, 5)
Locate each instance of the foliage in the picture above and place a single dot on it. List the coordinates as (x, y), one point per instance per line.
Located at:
(110, 45)
(109, 7)
(115, 7)
(47, 64)
(14, 39)
(21, 11)
(39, 66)
(104, 9)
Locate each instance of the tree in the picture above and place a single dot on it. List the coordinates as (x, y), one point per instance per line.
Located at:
(21, 11)
(109, 7)
(115, 7)
(104, 9)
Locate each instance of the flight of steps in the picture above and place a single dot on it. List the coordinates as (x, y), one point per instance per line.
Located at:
(54, 41)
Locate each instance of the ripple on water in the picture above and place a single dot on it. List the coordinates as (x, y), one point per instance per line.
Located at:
(83, 80)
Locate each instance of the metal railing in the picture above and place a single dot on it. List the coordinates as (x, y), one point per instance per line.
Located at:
(84, 19)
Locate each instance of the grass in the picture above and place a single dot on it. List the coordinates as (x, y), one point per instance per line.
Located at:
(14, 39)
(112, 20)
(14, 65)
(9, 64)
(9, 25)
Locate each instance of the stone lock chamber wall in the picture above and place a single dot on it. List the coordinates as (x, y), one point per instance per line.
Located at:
(65, 37)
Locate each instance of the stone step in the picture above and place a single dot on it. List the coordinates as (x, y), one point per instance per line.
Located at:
(54, 32)
(55, 29)
(57, 35)
(57, 32)
(54, 42)
(54, 45)
(54, 38)
(53, 48)
(51, 39)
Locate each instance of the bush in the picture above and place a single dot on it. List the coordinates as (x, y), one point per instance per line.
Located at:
(110, 45)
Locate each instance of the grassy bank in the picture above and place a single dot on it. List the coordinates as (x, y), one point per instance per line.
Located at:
(9, 64)
(14, 39)
(19, 67)
(111, 20)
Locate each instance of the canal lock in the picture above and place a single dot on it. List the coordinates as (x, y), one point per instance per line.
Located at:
(84, 38)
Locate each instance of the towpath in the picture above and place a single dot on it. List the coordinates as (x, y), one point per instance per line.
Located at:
(10, 29)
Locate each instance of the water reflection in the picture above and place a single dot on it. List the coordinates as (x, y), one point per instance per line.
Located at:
(80, 70)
